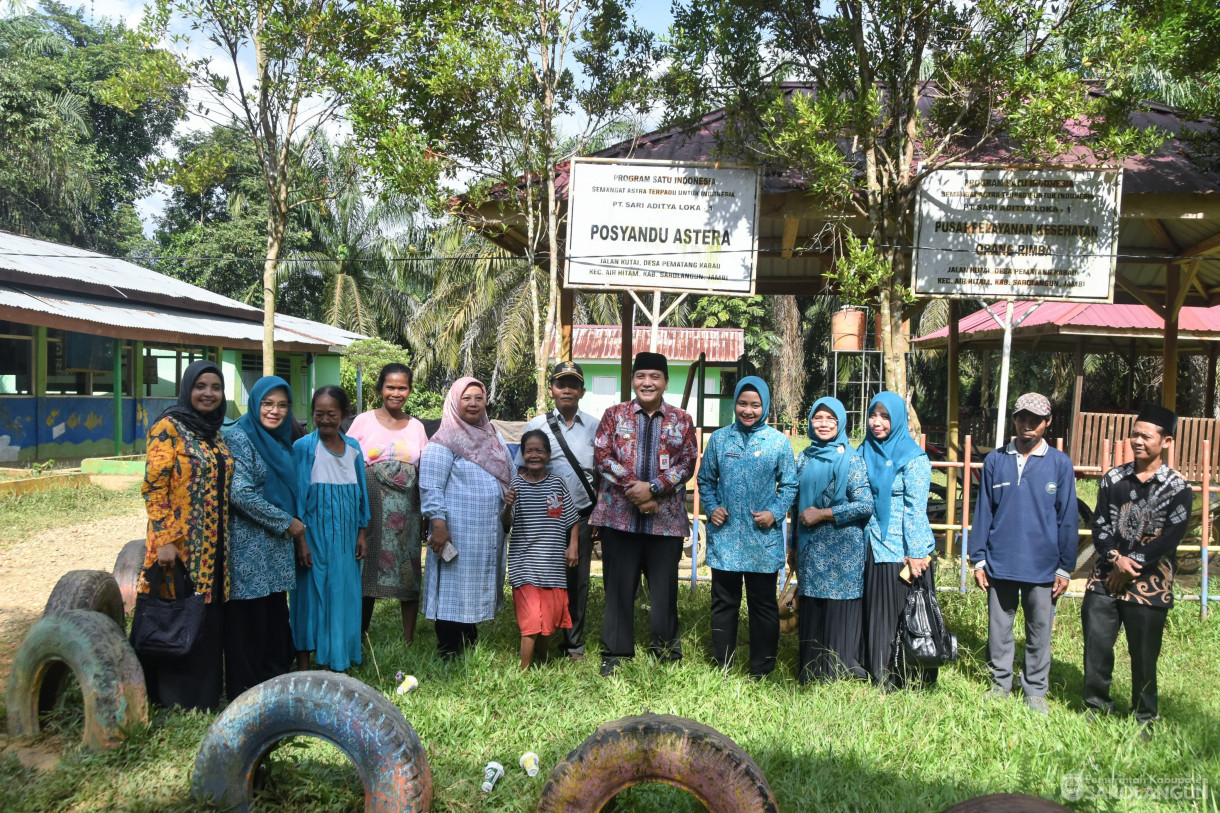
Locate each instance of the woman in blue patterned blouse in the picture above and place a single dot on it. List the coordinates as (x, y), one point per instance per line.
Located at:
(834, 502)
(747, 481)
(898, 534)
(262, 527)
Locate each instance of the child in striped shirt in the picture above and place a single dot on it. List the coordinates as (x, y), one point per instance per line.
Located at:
(543, 519)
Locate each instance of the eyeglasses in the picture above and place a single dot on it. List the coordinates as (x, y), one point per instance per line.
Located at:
(277, 406)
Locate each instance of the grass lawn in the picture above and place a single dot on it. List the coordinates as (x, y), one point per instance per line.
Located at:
(27, 514)
(834, 747)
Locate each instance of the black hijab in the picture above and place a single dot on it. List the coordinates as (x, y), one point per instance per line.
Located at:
(204, 424)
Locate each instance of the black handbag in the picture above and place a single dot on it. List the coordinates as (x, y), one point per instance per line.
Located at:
(167, 628)
(921, 629)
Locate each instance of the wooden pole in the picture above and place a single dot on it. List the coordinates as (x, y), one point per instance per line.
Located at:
(567, 305)
(952, 428)
(1206, 531)
(1132, 358)
(627, 307)
(1169, 354)
(1077, 392)
(118, 396)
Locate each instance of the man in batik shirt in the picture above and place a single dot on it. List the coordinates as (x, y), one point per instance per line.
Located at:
(645, 450)
(1142, 511)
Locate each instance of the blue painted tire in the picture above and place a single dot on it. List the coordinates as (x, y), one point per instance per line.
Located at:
(330, 706)
(106, 668)
(88, 590)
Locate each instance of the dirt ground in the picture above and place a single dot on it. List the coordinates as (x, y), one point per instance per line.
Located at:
(30, 569)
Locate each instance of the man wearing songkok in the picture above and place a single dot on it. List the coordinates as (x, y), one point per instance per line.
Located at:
(1142, 511)
(645, 450)
(1023, 547)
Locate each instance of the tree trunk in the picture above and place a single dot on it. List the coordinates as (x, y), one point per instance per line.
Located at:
(275, 240)
(788, 360)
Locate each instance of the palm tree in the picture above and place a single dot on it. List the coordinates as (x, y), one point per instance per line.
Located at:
(358, 247)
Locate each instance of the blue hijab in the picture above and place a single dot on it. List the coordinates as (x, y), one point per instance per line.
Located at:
(826, 461)
(764, 394)
(885, 457)
(274, 446)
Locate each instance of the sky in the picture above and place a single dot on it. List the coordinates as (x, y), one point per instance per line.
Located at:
(652, 14)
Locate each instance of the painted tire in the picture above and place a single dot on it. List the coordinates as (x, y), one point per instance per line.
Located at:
(106, 667)
(657, 748)
(1007, 803)
(341, 710)
(88, 590)
(127, 569)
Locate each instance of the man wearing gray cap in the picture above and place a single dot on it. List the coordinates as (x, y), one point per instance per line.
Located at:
(571, 432)
(1023, 546)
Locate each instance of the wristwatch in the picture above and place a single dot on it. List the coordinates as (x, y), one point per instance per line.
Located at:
(654, 489)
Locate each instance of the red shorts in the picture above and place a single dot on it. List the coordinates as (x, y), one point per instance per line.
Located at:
(541, 610)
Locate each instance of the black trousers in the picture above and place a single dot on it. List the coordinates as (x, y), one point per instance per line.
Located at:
(193, 681)
(764, 618)
(830, 632)
(1101, 616)
(885, 596)
(624, 556)
(452, 637)
(578, 592)
(257, 642)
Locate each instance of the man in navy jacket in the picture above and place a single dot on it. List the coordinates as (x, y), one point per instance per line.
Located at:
(1023, 546)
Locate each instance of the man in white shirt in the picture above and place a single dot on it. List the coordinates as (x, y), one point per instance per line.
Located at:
(575, 429)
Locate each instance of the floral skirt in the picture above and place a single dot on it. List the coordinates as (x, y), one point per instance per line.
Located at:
(392, 564)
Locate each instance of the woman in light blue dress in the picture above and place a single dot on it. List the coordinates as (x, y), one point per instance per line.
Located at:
(747, 482)
(834, 502)
(325, 606)
(898, 534)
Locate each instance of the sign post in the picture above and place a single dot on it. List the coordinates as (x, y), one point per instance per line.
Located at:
(680, 226)
(999, 233)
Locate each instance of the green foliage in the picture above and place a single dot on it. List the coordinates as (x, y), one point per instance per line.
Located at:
(861, 272)
(24, 515)
(749, 313)
(83, 107)
(370, 355)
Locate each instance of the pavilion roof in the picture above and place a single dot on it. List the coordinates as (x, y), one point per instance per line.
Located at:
(1100, 328)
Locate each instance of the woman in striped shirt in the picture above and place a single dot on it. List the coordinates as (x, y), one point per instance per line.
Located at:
(545, 542)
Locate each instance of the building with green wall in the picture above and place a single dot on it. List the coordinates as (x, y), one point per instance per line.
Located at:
(92, 349)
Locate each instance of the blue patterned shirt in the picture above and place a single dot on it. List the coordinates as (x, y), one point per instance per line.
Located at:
(262, 559)
(744, 472)
(909, 533)
(830, 555)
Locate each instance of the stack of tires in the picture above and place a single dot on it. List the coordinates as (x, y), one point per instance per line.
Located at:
(82, 631)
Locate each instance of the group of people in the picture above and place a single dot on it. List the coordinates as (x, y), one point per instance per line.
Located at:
(291, 537)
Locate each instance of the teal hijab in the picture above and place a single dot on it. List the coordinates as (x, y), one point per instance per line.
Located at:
(827, 461)
(885, 457)
(755, 383)
(274, 445)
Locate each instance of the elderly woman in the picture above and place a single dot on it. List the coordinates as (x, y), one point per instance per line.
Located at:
(898, 534)
(392, 441)
(834, 503)
(747, 482)
(464, 473)
(258, 641)
(187, 476)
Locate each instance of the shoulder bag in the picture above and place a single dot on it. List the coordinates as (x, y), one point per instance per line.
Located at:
(553, 423)
(167, 628)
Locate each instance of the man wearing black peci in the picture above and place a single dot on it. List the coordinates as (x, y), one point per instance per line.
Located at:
(1142, 511)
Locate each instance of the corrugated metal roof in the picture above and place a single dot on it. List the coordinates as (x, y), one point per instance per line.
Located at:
(675, 343)
(168, 325)
(52, 264)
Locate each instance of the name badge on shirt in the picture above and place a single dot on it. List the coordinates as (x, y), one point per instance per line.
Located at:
(664, 461)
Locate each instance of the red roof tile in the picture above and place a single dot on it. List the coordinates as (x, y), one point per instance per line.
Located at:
(676, 343)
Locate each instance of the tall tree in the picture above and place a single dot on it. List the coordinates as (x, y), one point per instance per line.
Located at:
(276, 79)
(504, 73)
(891, 90)
(84, 107)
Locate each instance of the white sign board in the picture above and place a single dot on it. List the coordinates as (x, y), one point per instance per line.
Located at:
(661, 225)
(1003, 233)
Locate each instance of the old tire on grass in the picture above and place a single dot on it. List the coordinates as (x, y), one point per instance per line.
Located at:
(1007, 803)
(127, 569)
(88, 590)
(657, 748)
(341, 710)
(106, 667)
